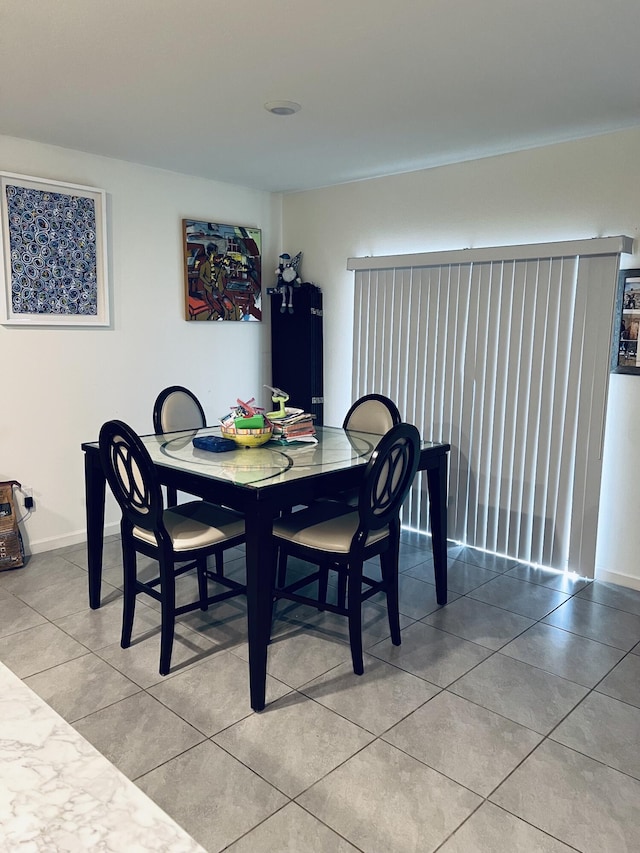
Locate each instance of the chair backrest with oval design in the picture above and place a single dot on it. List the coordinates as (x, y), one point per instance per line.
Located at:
(131, 475)
(372, 413)
(388, 476)
(176, 408)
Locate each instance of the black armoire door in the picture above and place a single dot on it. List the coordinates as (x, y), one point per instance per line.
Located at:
(296, 349)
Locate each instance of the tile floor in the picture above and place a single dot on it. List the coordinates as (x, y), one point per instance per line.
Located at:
(507, 721)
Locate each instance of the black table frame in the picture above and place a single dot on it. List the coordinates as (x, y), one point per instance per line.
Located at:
(260, 506)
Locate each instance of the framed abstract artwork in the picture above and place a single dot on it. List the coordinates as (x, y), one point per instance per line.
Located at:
(53, 253)
(625, 357)
(222, 272)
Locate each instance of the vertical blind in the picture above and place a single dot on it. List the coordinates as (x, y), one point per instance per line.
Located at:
(504, 354)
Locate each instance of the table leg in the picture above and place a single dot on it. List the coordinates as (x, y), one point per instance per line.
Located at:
(94, 484)
(259, 527)
(437, 485)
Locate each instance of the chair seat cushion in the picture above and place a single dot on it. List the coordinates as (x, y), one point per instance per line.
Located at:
(324, 527)
(196, 524)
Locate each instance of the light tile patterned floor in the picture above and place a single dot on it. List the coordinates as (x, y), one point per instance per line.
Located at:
(507, 721)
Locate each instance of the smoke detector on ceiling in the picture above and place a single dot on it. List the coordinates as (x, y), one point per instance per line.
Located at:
(282, 108)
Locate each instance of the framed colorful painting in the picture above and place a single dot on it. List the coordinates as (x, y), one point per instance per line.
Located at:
(53, 249)
(625, 356)
(222, 271)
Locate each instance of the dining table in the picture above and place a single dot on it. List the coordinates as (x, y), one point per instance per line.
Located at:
(262, 482)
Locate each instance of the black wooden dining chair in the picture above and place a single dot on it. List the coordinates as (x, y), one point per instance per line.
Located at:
(337, 538)
(177, 408)
(188, 533)
(375, 414)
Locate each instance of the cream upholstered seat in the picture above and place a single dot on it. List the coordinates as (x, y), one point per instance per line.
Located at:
(338, 538)
(188, 532)
(196, 524)
(329, 528)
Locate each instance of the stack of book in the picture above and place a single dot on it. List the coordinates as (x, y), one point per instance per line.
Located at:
(294, 427)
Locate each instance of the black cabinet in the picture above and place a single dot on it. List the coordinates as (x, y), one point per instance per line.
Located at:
(296, 348)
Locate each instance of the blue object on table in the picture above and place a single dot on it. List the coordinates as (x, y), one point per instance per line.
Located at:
(213, 443)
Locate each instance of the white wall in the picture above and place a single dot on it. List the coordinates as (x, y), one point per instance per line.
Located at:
(589, 188)
(59, 385)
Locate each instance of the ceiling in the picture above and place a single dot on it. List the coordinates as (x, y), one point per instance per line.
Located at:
(385, 87)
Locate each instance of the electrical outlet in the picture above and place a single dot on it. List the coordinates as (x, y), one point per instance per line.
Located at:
(28, 497)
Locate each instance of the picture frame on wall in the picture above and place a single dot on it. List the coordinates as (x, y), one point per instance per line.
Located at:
(53, 269)
(625, 354)
(222, 272)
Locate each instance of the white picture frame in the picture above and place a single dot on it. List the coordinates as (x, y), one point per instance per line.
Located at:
(53, 269)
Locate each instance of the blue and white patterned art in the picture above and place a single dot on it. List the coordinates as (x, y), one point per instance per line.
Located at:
(53, 250)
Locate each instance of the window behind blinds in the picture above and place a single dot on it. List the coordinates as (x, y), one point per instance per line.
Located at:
(504, 354)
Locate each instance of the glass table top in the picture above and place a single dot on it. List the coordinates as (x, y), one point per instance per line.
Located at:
(271, 463)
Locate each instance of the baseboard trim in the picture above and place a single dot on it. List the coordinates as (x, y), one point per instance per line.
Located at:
(618, 578)
(77, 538)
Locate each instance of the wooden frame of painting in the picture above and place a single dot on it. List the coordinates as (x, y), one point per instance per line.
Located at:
(222, 271)
(625, 354)
(53, 250)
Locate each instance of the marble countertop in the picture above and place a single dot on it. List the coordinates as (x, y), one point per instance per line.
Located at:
(58, 793)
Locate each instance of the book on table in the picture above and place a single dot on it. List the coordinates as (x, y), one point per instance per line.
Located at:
(297, 427)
